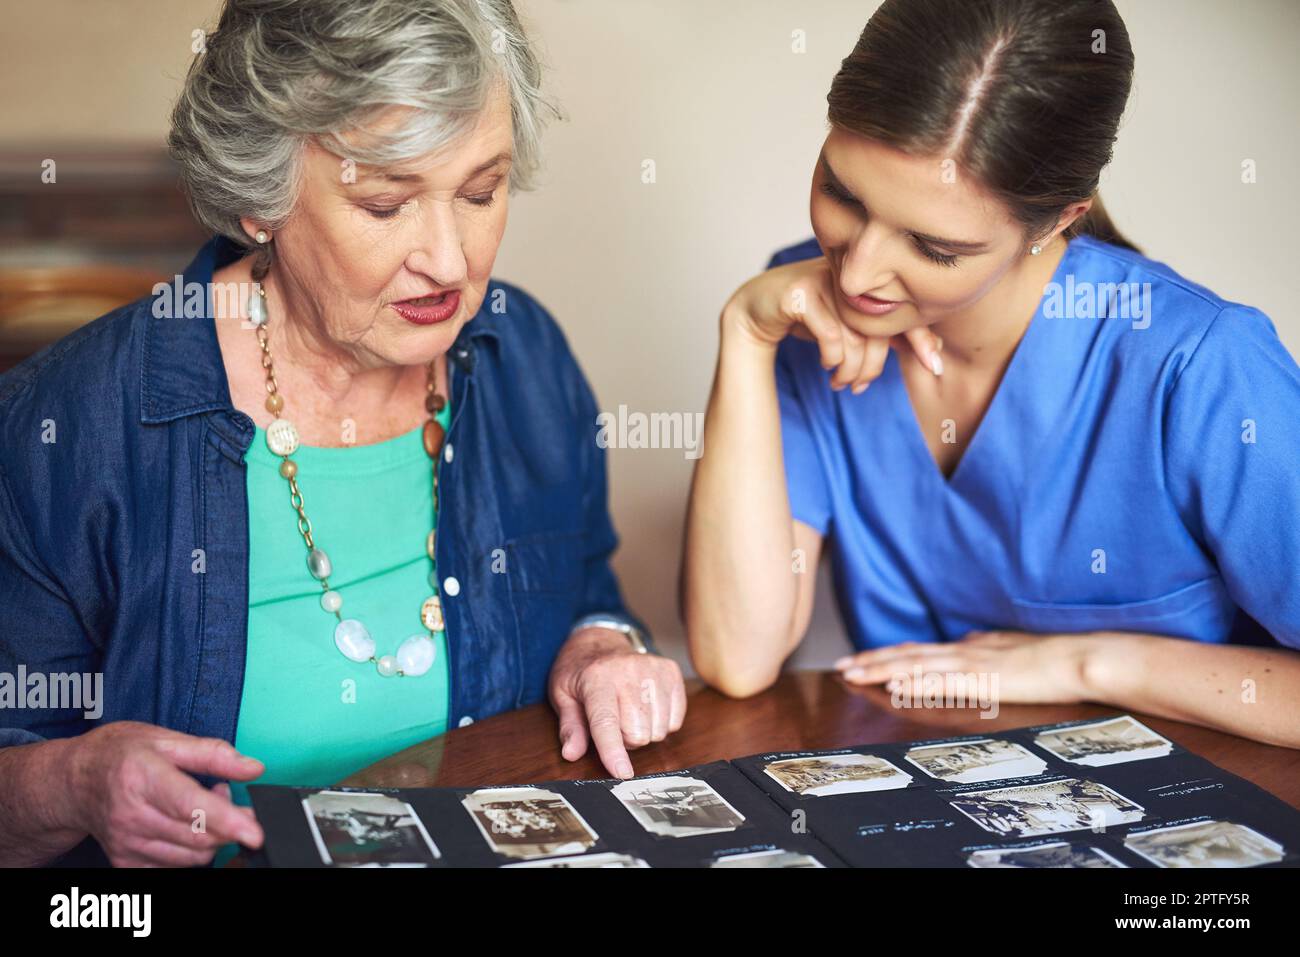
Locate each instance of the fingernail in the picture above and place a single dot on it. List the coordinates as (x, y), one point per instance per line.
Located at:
(860, 388)
(936, 363)
(843, 663)
(855, 674)
(624, 769)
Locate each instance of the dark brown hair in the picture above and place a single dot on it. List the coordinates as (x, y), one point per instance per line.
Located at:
(1025, 95)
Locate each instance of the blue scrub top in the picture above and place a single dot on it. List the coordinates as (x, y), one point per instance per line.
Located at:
(1137, 472)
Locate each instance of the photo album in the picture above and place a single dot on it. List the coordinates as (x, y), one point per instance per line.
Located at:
(1097, 793)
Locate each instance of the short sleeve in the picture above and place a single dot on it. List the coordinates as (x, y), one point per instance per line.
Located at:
(1232, 463)
(805, 474)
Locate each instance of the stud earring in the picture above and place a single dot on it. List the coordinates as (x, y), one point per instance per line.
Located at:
(262, 236)
(1035, 249)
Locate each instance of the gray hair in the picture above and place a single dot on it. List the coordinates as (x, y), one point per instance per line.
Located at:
(278, 73)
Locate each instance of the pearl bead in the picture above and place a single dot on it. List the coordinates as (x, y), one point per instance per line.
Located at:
(256, 309)
(282, 437)
(433, 578)
(352, 638)
(416, 654)
(275, 402)
(430, 544)
(318, 563)
(387, 666)
(288, 468)
(331, 601)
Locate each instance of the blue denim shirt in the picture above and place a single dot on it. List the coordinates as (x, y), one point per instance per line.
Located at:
(124, 518)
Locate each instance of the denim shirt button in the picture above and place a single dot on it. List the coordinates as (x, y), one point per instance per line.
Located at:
(465, 721)
(448, 453)
(451, 586)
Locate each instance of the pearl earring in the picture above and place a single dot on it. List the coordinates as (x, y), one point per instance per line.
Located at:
(262, 236)
(1035, 249)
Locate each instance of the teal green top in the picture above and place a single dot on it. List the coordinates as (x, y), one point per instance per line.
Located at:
(311, 715)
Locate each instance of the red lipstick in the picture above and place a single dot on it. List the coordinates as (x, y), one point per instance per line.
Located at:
(426, 310)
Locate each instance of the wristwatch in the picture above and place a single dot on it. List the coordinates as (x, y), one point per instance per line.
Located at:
(637, 638)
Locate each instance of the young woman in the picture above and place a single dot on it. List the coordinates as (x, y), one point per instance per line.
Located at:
(1092, 492)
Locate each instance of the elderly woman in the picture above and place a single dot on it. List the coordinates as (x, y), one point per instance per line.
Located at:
(335, 491)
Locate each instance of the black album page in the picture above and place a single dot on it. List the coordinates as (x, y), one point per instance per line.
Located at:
(1106, 793)
(1098, 793)
(706, 816)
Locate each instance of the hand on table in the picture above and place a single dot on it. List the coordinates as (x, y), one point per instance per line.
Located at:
(606, 692)
(1029, 668)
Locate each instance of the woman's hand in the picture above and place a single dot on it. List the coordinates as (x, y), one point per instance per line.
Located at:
(128, 787)
(605, 691)
(1012, 667)
(799, 299)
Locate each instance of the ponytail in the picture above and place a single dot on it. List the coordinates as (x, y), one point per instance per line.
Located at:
(1096, 222)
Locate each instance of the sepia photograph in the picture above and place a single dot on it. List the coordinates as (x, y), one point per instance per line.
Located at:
(1048, 808)
(836, 774)
(1105, 742)
(969, 762)
(526, 822)
(1206, 844)
(1061, 854)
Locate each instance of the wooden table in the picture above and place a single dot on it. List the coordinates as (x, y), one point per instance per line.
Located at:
(803, 710)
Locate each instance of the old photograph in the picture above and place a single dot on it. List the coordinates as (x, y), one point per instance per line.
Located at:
(836, 774)
(1060, 854)
(527, 823)
(771, 858)
(677, 806)
(969, 762)
(1048, 808)
(1105, 742)
(355, 829)
(608, 859)
(1206, 844)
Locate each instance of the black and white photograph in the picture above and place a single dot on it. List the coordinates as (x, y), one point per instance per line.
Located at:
(836, 774)
(775, 857)
(1059, 854)
(677, 806)
(1072, 804)
(527, 822)
(970, 762)
(1106, 742)
(1206, 844)
(356, 829)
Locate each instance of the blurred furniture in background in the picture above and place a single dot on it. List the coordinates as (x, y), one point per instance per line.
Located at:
(83, 231)
(42, 304)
